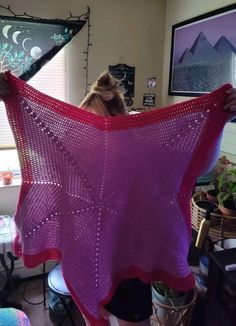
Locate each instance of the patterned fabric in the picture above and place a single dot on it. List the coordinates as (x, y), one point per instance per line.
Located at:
(13, 317)
(109, 197)
(26, 45)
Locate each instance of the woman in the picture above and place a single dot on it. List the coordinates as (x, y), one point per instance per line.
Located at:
(132, 302)
(105, 97)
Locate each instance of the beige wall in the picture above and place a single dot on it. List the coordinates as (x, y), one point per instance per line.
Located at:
(132, 29)
(128, 29)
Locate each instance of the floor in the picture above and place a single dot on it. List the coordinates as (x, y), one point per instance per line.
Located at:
(30, 295)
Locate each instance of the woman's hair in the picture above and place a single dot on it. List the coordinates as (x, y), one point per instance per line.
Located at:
(105, 96)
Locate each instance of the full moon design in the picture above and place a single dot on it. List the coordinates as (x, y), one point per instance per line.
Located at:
(14, 36)
(5, 30)
(36, 52)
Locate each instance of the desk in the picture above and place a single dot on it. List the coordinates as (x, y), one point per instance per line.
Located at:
(221, 294)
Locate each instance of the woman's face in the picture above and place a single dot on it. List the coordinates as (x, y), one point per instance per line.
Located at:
(107, 95)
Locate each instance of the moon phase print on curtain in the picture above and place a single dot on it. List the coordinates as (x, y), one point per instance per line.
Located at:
(27, 44)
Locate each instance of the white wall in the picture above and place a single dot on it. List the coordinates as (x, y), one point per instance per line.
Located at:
(128, 30)
(134, 31)
(131, 29)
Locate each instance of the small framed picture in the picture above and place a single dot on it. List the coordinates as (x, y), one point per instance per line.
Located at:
(149, 99)
(151, 82)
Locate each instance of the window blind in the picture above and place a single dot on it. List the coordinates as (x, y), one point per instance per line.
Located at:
(51, 80)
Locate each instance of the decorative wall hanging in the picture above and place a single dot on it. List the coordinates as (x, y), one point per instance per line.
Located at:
(149, 100)
(28, 42)
(203, 53)
(126, 75)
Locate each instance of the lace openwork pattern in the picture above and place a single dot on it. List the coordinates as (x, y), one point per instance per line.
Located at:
(109, 197)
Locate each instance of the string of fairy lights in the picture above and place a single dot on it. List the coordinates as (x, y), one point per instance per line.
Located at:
(84, 16)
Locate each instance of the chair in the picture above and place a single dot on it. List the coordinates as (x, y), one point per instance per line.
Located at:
(58, 286)
(13, 317)
(7, 236)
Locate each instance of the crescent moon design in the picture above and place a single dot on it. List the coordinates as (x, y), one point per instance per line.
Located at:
(5, 30)
(23, 42)
(14, 36)
(120, 80)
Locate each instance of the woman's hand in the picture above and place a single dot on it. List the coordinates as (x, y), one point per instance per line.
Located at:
(4, 87)
(230, 103)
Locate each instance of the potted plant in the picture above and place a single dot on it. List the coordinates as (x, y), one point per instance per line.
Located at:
(212, 195)
(227, 191)
(7, 177)
(222, 164)
(164, 299)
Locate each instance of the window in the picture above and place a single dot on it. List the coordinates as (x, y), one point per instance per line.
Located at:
(52, 74)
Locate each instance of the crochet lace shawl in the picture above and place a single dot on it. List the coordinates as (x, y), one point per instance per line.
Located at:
(109, 196)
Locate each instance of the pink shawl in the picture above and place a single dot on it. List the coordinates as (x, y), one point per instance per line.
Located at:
(109, 196)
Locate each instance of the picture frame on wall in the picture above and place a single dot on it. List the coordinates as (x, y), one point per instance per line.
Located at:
(203, 53)
(126, 76)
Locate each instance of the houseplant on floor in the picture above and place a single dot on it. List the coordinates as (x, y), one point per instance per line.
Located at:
(168, 303)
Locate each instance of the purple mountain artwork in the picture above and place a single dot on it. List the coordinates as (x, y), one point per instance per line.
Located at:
(26, 44)
(204, 66)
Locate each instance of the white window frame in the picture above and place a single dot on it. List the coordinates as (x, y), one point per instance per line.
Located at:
(52, 74)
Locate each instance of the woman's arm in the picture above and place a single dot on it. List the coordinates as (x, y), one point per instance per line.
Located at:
(97, 108)
(230, 103)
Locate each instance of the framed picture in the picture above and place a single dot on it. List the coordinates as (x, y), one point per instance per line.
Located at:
(149, 100)
(151, 82)
(126, 75)
(203, 53)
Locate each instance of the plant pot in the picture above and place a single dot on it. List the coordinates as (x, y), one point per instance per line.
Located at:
(212, 195)
(228, 209)
(163, 305)
(7, 177)
(205, 204)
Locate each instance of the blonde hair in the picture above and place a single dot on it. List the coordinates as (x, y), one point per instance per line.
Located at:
(105, 97)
